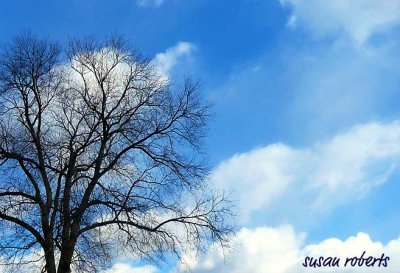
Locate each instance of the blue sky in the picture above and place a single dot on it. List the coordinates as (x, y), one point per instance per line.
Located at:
(307, 119)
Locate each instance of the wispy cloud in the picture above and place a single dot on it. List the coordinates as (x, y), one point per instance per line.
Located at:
(296, 181)
(167, 60)
(150, 3)
(128, 268)
(356, 20)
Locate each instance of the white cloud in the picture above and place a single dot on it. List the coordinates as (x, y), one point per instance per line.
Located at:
(259, 176)
(150, 3)
(127, 268)
(358, 20)
(172, 56)
(312, 179)
(259, 250)
(282, 250)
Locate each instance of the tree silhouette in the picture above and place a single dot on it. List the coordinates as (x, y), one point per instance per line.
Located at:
(99, 155)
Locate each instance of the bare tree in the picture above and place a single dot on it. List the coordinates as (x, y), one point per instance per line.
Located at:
(98, 154)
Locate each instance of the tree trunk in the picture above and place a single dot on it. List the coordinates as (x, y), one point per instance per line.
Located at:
(49, 254)
(50, 262)
(67, 253)
(64, 265)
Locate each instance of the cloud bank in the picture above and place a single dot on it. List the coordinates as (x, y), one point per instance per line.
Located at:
(282, 250)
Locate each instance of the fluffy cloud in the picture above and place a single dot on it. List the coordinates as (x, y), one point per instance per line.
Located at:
(282, 250)
(358, 20)
(313, 179)
(259, 250)
(150, 3)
